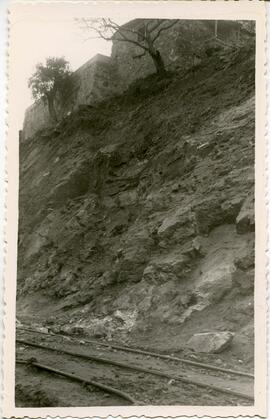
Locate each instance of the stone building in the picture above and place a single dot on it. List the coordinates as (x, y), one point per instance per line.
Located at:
(181, 47)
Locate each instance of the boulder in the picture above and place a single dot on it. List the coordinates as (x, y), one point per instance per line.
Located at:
(215, 281)
(210, 342)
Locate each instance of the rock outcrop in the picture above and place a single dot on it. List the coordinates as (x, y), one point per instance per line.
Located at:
(143, 206)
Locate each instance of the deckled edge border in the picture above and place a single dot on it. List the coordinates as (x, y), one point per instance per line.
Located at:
(4, 185)
(267, 179)
(4, 51)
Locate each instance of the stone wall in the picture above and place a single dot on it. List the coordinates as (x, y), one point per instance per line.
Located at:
(93, 82)
(36, 117)
(181, 46)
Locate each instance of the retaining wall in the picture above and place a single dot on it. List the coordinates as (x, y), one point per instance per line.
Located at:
(93, 82)
(181, 47)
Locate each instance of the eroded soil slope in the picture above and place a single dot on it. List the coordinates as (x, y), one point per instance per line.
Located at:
(136, 217)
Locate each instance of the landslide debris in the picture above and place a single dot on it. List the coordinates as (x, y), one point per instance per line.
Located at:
(137, 215)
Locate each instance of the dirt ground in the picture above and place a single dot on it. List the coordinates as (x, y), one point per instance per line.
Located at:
(42, 388)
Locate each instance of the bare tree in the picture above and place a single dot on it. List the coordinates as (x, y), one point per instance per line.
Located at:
(144, 37)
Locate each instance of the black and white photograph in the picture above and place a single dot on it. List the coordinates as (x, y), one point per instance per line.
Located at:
(135, 269)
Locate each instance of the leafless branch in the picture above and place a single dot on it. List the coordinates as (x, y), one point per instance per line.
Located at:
(89, 25)
(164, 28)
(147, 34)
(124, 39)
(122, 29)
(132, 41)
(139, 55)
(155, 26)
(107, 25)
(91, 37)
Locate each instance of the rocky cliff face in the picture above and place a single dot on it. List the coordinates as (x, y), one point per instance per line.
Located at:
(137, 216)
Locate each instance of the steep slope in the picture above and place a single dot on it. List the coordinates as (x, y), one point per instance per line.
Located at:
(136, 216)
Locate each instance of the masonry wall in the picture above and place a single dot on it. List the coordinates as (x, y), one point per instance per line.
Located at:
(93, 82)
(181, 46)
(99, 82)
(36, 117)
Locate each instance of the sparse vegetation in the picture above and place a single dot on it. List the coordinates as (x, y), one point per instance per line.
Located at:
(50, 80)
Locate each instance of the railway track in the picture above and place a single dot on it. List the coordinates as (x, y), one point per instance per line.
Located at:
(106, 363)
(200, 365)
(108, 389)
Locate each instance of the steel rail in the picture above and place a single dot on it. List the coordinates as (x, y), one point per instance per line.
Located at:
(153, 354)
(103, 387)
(139, 369)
